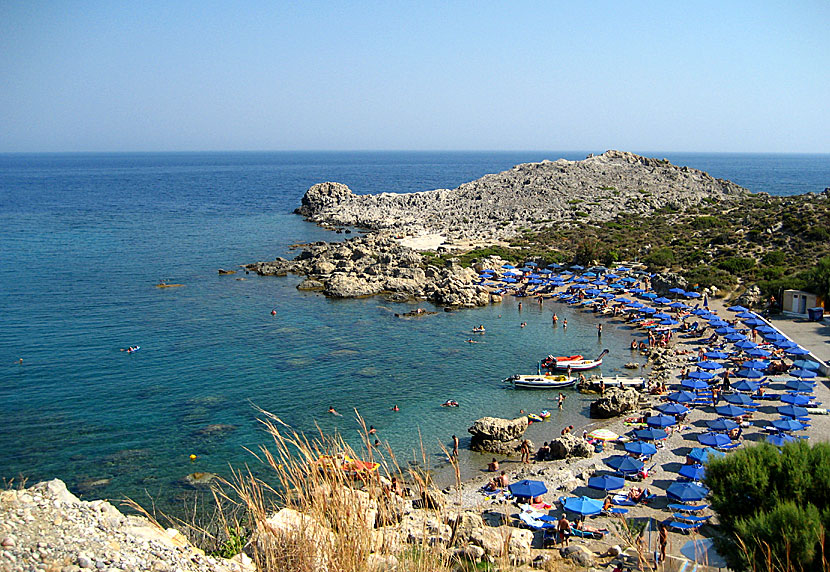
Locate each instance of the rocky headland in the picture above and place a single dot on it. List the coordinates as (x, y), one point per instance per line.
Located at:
(498, 206)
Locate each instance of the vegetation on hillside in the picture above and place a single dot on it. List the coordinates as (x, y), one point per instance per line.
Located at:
(773, 506)
(775, 242)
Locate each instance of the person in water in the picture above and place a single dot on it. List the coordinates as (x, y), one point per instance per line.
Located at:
(332, 410)
(395, 407)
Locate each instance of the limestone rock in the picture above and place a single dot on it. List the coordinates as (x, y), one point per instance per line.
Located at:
(616, 401)
(498, 429)
(491, 540)
(570, 445)
(518, 548)
(322, 196)
(351, 286)
(751, 298)
(579, 554)
(464, 525)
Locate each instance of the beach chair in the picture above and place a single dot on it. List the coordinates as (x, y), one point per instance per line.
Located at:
(534, 523)
(683, 526)
(615, 511)
(693, 518)
(586, 534)
(727, 448)
(622, 500)
(688, 507)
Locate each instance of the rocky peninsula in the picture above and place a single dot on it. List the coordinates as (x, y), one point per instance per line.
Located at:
(498, 206)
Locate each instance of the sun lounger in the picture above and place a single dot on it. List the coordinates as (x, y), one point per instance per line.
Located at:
(683, 526)
(615, 510)
(691, 517)
(688, 507)
(622, 500)
(534, 523)
(586, 534)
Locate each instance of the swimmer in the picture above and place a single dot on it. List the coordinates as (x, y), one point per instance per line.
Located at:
(396, 408)
(333, 411)
(372, 430)
(565, 323)
(19, 361)
(471, 341)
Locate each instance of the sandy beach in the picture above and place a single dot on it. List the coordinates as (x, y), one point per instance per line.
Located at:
(569, 477)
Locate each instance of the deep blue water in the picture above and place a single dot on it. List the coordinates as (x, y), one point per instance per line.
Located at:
(85, 238)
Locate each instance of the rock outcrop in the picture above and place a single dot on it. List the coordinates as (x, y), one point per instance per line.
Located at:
(498, 205)
(569, 445)
(499, 436)
(45, 527)
(378, 264)
(616, 401)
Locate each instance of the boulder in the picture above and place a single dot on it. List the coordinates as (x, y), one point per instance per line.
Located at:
(323, 195)
(291, 526)
(492, 541)
(497, 447)
(518, 547)
(497, 429)
(470, 552)
(569, 445)
(579, 554)
(616, 401)
(663, 282)
(464, 525)
(751, 298)
(311, 285)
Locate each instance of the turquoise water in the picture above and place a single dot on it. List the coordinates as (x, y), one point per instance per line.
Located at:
(85, 238)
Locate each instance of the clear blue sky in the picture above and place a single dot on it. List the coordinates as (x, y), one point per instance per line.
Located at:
(176, 75)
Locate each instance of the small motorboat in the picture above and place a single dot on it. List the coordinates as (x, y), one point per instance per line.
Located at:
(450, 403)
(580, 365)
(550, 361)
(620, 381)
(540, 381)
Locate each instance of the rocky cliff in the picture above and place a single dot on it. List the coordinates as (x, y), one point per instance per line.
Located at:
(551, 192)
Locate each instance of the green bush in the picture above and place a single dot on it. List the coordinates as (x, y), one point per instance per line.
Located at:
(704, 222)
(660, 258)
(771, 504)
(773, 258)
(736, 264)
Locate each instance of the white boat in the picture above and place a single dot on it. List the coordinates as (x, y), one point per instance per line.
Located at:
(539, 381)
(620, 381)
(581, 364)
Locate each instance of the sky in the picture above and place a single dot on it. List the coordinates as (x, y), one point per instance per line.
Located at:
(715, 76)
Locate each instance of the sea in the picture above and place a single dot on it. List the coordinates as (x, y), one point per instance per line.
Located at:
(85, 239)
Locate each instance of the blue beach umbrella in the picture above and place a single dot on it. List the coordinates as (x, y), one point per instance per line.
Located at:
(807, 364)
(686, 492)
(746, 386)
(694, 384)
(745, 344)
(677, 290)
(680, 305)
(662, 300)
(740, 399)
(797, 351)
(624, 464)
(787, 425)
(730, 411)
(639, 448)
(669, 322)
(702, 312)
(766, 329)
(758, 353)
(755, 364)
(711, 365)
(785, 344)
(780, 439)
(800, 386)
(796, 399)
(692, 294)
(681, 397)
(649, 295)
(692, 472)
(650, 434)
(703, 454)
(508, 266)
(792, 411)
(721, 424)
(738, 337)
(661, 316)
(672, 409)
(606, 482)
(718, 323)
(576, 267)
(774, 337)
(745, 315)
(582, 505)
(661, 421)
(713, 439)
(702, 375)
(528, 488)
(754, 322)
(802, 373)
(533, 264)
(724, 330)
(648, 310)
(737, 309)
(716, 355)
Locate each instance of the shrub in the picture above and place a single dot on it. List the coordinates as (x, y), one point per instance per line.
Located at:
(771, 504)
(660, 258)
(736, 264)
(773, 258)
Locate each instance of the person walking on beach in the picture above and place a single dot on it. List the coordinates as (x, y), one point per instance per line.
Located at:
(564, 529)
(663, 540)
(454, 447)
(525, 451)
(561, 398)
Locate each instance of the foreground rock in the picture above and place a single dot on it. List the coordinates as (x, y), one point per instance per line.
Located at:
(378, 264)
(497, 206)
(499, 436)
(616, 401)
(46, 527)
(569, 445)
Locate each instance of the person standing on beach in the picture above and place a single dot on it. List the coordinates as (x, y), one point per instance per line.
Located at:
(561, 398)
(520, 306)
(663, 540)
(569, 377)
(525, 451)
(599, 330)
(454, 447)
